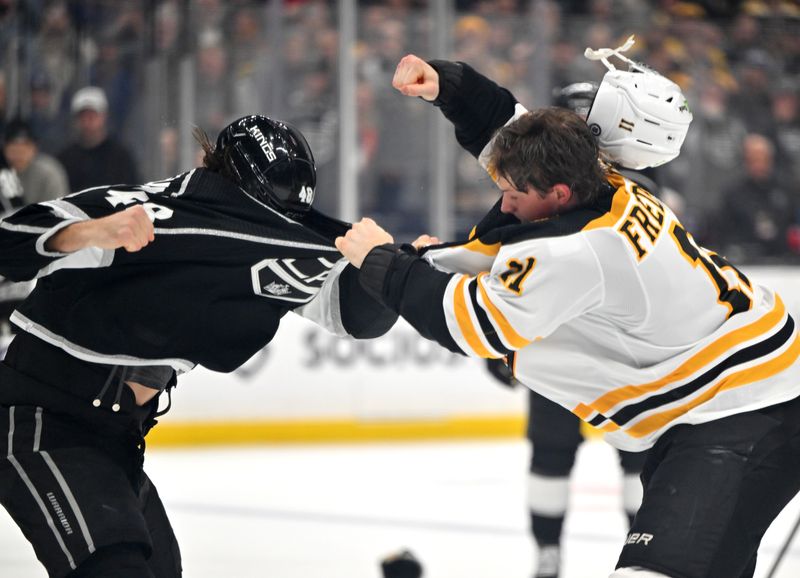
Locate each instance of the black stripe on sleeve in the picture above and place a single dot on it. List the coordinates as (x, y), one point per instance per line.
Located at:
(486, 325)
(597, 420)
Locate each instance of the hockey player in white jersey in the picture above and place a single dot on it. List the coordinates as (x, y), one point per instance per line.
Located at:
(602, 301)
(555, 434)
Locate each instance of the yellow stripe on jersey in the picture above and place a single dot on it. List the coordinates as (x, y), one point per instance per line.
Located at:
(618, 205)
(615, 178)
(476, 246)
(465, 322)
(704, 357)
(609, 427)
(738, 379)
(583, 411)
(510, 335)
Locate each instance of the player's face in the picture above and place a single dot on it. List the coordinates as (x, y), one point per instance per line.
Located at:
(527, 205)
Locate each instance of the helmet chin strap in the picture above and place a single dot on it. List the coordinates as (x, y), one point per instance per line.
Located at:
(603, 54)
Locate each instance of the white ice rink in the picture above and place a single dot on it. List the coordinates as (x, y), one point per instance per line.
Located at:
(332, 511)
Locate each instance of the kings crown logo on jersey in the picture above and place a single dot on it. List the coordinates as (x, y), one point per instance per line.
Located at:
(277, 289)
(294, 280)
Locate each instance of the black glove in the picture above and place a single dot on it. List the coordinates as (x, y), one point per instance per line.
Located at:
(401, 565)
(501, 372)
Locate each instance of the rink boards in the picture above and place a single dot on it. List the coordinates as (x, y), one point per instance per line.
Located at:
(308, 385)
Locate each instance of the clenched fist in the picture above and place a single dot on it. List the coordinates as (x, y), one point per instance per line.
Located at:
(130, 229)
(415, 77)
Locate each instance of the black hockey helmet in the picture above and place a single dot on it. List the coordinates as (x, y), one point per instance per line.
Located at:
(271, 161)
(577, 97)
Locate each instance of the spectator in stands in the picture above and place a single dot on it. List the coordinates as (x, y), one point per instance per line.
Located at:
(788, 42)
(11, 292)
(169, 142)
(114, 72)
(757, 209)
(567, 65)
(210, 15)
(49, 121)
(752, 102)
(712, 153)
(58, 48)
(312, 109)
(745, 35)
(213, 99)
(42, 177)
(786, 127)
(95, 157)
(402, 162)
(248, 65)
(2, 100)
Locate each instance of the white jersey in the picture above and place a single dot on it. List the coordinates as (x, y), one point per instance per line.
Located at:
(624, 321)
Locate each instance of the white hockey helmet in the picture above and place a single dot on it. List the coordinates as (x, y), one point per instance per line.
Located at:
(639, 117)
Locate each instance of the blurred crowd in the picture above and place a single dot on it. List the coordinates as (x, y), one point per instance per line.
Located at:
(736, 184)
(90, 93)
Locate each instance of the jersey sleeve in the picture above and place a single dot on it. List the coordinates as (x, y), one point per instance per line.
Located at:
(476, 105)
(343, 307)
(531, 290)
(24, 234)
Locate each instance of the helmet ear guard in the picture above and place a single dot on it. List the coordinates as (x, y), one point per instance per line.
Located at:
(271, 161)
(639, 117)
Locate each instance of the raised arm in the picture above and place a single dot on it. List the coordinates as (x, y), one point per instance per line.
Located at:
(475, 105)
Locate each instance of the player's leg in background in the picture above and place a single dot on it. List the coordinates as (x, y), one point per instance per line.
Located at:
(632, 463)
(555, 435)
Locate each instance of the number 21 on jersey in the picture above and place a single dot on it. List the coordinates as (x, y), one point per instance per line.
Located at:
(517, 272)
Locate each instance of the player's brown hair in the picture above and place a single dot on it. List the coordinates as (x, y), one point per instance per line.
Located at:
(546, 147)
(213, 159)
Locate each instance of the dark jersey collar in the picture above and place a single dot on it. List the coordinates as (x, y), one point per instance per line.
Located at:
(498, 227)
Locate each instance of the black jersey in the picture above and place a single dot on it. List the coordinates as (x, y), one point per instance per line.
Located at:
(11, 293)
(210, 290)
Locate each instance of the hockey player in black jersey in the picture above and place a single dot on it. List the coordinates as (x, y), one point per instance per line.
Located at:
(136, 285)
(11, 293)
(603, 302)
